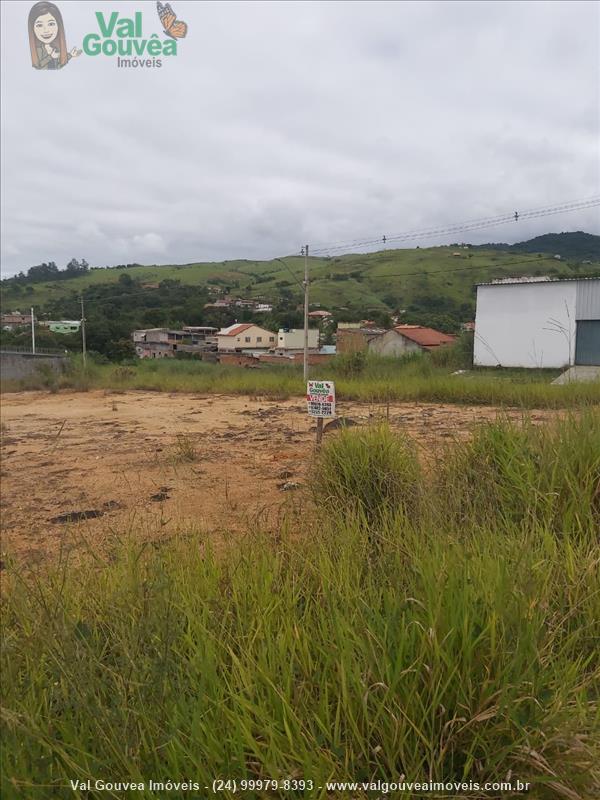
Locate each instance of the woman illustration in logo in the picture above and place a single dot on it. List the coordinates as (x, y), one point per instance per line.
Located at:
(47, 38)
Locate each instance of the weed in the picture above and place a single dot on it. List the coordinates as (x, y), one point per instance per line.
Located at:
(184, 449)
(412, 378)
(372, 472)
(48, 377)
(527, 474)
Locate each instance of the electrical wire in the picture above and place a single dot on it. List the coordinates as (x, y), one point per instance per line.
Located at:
(470, 225)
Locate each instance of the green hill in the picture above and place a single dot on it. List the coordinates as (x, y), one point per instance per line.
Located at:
(434, 286)
(574, 244)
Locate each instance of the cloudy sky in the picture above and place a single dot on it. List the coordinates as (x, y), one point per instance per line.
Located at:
(280, 123)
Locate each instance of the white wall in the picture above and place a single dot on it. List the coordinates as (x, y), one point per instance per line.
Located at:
(392, 343)
(294, 338)
(525, 324)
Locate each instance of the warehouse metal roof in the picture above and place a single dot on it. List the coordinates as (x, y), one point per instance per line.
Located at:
(534, 279)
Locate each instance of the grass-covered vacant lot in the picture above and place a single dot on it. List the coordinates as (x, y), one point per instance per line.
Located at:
(434, 623)
(375, 379)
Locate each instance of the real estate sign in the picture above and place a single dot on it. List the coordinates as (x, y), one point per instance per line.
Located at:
(320, 397)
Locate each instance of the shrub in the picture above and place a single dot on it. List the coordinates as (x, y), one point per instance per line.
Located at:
(458, 355)
(349, 365)
(372, 472)
(48, 377)
(124, 373)
(184, 449)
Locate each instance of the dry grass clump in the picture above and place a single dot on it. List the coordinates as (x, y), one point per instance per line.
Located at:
(184, 449)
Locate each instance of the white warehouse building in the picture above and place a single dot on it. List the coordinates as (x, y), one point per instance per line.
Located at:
(538, 322)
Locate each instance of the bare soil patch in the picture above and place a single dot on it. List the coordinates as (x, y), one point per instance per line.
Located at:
(84, 468)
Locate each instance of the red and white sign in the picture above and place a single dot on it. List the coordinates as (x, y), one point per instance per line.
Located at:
(320, 397)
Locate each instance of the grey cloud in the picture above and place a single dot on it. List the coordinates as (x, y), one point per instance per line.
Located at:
(280, 123)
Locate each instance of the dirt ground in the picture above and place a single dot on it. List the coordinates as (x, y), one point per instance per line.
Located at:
(79, 469)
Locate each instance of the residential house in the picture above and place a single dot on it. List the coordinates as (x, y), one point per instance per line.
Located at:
(156, 342)
(352, 338)
(291, 339)
(167, 342)
(222, 302)
(62, 325)
(15, 320)
(203, 339)
(245, 337)
(408, 339)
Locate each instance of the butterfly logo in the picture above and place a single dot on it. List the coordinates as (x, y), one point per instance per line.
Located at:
(173, 27)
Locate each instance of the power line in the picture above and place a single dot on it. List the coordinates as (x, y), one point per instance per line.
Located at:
(470, 225)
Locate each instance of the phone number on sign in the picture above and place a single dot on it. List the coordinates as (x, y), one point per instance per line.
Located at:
(261, 785)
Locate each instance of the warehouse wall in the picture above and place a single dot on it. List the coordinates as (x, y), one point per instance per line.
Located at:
(526, 324)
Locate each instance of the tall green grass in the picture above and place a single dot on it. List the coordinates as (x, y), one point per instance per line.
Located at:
(372, 473)
(448, 652)
(378, 380)
(526, 474)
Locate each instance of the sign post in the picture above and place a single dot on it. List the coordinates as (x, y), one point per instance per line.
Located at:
(320, 399)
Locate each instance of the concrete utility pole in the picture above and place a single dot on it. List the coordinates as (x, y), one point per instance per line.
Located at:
(32, 332)
(305, 284)
(83, 348)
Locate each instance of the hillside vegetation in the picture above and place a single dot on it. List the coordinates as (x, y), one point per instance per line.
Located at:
(575, 244)
(432, 286)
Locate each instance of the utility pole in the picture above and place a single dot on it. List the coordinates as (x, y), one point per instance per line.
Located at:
(305, 283)
(83, 350)
(32, 332)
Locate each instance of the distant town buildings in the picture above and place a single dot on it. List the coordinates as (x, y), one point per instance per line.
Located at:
(231, 302)
(292, 339)
(167, 342)
(246, 336)
(240, 339)
(61, 325)
(395, 342)
(248, 344)
(352, 337)
(15, 320)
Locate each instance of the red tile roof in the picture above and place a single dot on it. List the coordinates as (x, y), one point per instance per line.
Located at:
(425, 337)
(237, 329)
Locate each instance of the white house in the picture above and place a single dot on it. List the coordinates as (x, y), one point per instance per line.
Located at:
(244, 337)
(293, 339)
(538, 322)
